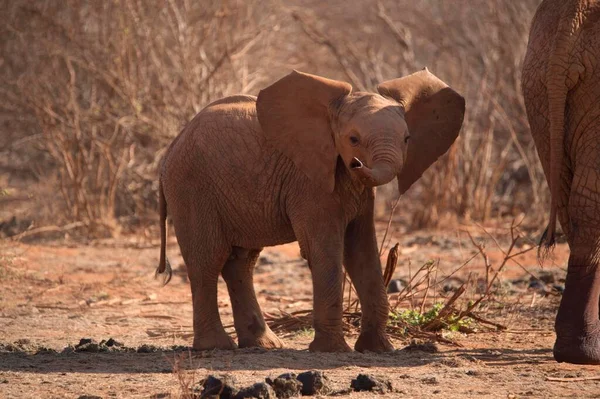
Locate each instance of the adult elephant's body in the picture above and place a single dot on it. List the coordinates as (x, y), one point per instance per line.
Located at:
(561, 87)
(298, 163)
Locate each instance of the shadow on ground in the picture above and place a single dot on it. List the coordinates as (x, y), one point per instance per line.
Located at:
(252, 359)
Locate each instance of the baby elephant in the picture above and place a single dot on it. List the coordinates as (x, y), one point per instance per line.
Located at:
(298, 162)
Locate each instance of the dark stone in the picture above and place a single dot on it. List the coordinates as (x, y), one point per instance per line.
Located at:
(314, 382)
(89, 396)
(84, 341)
(286, 385)
(222, 387)
(452, 284)
(42, 350)
(560, 288)
(88, 345)
(260, 390)
(367, 382)
(429, 347)
(111, 342)
(537, 285)
(264, 260)
(546, 277)
(145, 348)
(396, 285)
(430, 380)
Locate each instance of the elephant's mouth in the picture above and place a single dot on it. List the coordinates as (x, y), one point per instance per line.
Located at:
(356, 163)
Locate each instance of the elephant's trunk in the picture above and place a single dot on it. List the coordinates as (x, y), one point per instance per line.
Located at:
(382, 172)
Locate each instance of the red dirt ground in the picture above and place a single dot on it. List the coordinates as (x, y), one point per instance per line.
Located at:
(52, 295)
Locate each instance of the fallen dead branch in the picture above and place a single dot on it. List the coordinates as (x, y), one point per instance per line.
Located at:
(573, 379)
(48, 229)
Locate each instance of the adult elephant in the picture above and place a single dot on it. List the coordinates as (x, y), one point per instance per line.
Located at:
(298, 163)
(561, 87)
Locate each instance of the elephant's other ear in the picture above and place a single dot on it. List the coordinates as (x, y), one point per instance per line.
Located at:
(294, 115)
(434, 115)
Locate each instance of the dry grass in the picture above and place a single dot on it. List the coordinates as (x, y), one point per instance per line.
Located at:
(423, 316)
(92, 94)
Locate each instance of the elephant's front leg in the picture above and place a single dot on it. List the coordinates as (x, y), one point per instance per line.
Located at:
(322, 243)
(361, 259)
(327, 276)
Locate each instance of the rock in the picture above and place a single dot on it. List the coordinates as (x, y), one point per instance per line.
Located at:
(546, 277)
(367, 382)
(265, 260)
(286, 385)
(560, 288)
(429, 347)
(537, 285)
(110, 343)
(89, 397)
(87, 345)
(452, 284)
(396, 285)
(260, 390)
(314, 382)
(222, 387)
(42, 350)
(84, 341)
(430, 380)
(480, 286)
(145, 348)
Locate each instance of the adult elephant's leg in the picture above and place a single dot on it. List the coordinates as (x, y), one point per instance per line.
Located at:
(578, 320)
(361, 259)
(204, 253)
(248, 319)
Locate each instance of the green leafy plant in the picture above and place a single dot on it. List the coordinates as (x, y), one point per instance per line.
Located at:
(416, 318)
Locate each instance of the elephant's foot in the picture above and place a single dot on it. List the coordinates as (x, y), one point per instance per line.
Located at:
(373, 341)
(215, 340)
(266, 340)
(329, 343)
(584, 349)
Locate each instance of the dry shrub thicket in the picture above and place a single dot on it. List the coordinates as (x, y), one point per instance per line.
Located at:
(93, 92)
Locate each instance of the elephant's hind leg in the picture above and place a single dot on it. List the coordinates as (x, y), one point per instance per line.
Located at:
(578, 321)
(248, 319)
(204, 253)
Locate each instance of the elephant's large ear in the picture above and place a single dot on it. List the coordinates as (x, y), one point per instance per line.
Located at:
(294, 115)
(434, 115)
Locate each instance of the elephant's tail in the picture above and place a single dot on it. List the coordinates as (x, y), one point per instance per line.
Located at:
(562, 74)
(164, 267)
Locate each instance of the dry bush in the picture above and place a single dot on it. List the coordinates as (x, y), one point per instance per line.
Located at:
(111, 82)
(93, 92)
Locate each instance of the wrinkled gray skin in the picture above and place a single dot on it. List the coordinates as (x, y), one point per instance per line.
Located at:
(561, 88)
(298, 163)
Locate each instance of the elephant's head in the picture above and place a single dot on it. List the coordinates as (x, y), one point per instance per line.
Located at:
(399, 132)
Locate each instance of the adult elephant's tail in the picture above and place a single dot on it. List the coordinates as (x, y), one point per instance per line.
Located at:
(164, 267)
(562, 74)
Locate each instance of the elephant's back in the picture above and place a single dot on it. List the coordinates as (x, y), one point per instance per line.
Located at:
(226, 129)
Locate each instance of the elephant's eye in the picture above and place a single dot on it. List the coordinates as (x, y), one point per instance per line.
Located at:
(406, 139)
(354, 140)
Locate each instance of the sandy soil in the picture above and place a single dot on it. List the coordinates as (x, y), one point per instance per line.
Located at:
(53, 295)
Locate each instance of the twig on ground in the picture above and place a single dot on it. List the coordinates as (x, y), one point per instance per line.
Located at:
(573, 379)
